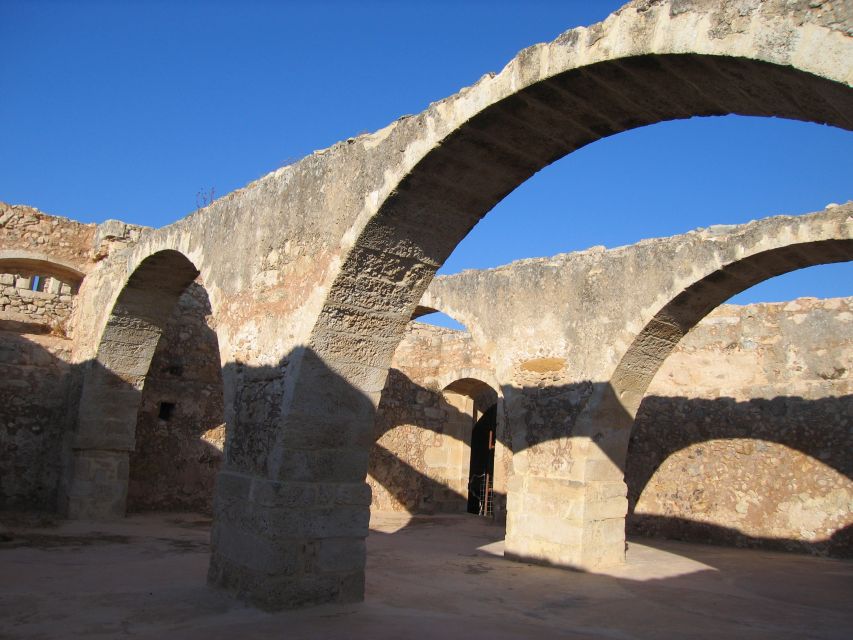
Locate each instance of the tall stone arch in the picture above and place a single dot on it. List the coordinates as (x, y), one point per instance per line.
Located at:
(605, 425)
(112, 384)
(651, 61)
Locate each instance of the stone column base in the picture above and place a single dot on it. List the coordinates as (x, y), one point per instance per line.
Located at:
(566, 523)
(97, 486)
(282, 545)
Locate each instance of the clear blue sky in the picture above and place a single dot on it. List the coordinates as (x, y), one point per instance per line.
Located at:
(127, 110)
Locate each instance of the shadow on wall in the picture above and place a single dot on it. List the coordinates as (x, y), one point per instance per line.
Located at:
(748, 469)
(742, 463)
(317, 474)
(419, 429)
(172, 463)
(412, 488)
(838, 545)
(180, 430)
(23, 327)
(36, 390)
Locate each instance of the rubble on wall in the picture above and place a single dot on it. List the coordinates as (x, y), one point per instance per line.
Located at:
(30, 229)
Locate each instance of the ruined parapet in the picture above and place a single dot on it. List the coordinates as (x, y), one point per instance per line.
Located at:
(53, 237)
(35, 303)
(115, 235)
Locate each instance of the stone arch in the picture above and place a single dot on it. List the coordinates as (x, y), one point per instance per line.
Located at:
(756, 254)
(605, 424)
(652, 61)
(113, 381)
(31, 262)
(671, 323)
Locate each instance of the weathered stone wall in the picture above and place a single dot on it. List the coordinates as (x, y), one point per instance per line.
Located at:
(35, 384)
(746, 433)
(743, 438)
(50, 307)
(314, 270)
(39, 382)
(26, 228)
(179, 449)
(421, 457)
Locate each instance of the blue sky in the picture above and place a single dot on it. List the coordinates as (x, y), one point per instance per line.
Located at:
(127, 110)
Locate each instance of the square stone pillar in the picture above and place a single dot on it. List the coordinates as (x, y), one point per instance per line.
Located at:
(571, 523)
(289, 544)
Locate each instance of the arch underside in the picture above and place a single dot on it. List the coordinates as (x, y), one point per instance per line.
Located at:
(113, 382)
(477, 165)
(660, 336)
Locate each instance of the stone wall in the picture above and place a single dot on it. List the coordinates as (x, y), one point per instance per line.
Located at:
(26, 228)
(745, 434)
(743, 438)
(36, 382)
(49, 307)
(423, 429)
(180, 432)
(39, 380)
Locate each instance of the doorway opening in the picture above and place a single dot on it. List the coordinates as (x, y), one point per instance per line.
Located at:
(481, 475)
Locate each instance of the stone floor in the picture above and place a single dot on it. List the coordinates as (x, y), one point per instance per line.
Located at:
(436, 577)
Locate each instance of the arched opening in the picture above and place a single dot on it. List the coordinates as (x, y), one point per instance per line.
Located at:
(671, 323)
(427, 458)
(180, 430)
(462, 156)
(481, 474)
(743, 435)
(37, 294)
(114, 383)
(471, 427)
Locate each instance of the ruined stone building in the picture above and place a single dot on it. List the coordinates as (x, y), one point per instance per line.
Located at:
(261, 359)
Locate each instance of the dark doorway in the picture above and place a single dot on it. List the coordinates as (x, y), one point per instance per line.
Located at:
(482, 470)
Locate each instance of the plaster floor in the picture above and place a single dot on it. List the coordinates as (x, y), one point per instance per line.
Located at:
(428, 577)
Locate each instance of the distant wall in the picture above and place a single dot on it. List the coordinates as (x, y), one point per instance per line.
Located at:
(39, 384)
(28, 229)
(422, 454)
(49, 308)
(746, 434)
(180, 432)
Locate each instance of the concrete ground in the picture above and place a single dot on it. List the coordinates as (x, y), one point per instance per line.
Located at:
(430, 577)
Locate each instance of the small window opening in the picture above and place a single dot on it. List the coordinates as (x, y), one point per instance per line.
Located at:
(167, 409)
(175, 369)
(37, 283)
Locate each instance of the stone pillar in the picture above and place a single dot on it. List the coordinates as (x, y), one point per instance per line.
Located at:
(291, 504)
(566, 522)
(97, 476)
(567, 499)
(503, 465)
(455, 450)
